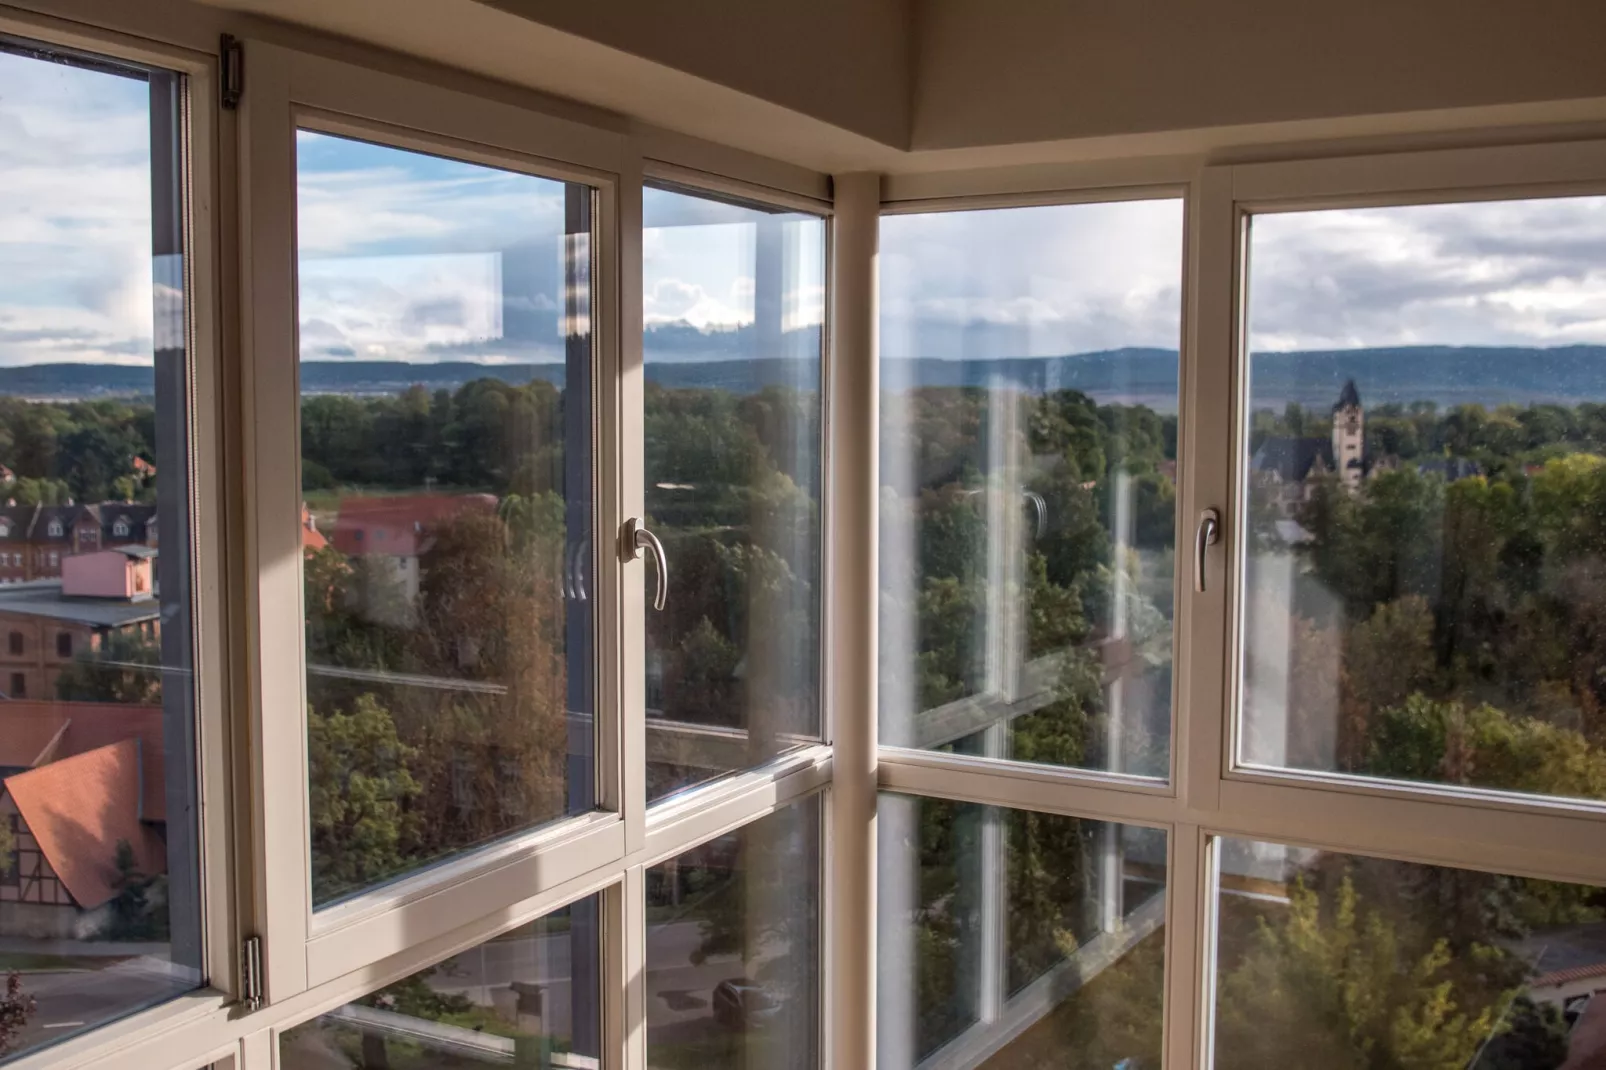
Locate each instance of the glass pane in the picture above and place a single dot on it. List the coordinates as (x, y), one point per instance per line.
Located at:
(99, 865)
(446, 470)
(735, 299)
(1426, 564)
(1333, 961)
(733, 949)
(1028, 482)
(1016, 939)
(528, 998)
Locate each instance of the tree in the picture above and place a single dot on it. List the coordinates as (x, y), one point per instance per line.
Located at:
(127, 668)
(359, 790)
(1338, 986)
(16, 1007)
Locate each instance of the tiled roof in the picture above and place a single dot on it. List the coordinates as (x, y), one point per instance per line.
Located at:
(395, 525)
(79, 809)
(1291, 459)
(28, 728)
(1567, 977)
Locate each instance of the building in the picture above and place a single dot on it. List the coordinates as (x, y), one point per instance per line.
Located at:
(1288, 467)
(34, 539)
(79, 779)
(45, 624)
(390, 535)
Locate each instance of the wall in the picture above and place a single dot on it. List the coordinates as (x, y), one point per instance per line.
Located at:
(846, 62)
(987, 74)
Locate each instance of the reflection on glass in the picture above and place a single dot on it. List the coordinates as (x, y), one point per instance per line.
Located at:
(446, 473)
(99, 868)
(1335, 961)
(733, 949)
(1028, 481)
(1426, 566)
(528, 998)
(734, 308)
(1008, 938)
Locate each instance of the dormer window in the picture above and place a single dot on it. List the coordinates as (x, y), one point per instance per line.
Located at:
(120, 529)
(5, 530)
(55, 529)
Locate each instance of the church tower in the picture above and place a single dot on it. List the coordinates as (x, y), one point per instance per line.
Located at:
(1349, 425)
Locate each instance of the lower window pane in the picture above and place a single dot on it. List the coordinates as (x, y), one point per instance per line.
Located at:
(1328, 960)
(733, 949)
(527, 998)
(1017, 939)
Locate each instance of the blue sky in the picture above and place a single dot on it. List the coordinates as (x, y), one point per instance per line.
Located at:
(410, 257)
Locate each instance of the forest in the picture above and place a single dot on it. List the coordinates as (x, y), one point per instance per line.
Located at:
(1439, 630)
(80, 451)
(1445, 630)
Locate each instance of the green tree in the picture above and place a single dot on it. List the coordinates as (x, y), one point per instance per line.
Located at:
(1339, 986)
(359, 791)
(127, 668)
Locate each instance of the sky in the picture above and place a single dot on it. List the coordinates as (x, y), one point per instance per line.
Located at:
(405, 256)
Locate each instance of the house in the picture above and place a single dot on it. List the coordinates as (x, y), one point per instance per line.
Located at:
(390, 535)
(1286, 469)
(45, 624)
(79, 779)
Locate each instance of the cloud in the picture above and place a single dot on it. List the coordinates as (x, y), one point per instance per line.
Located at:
(672, 300)
(75, 226)
(1488, 273)
(1037, 281)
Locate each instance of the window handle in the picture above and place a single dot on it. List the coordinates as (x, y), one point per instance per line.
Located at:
(1208, 535)
(638, 538)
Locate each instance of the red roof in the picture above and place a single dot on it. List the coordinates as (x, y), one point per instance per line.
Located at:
(80, 809)
(36, 733)
(397, 525)
(1568, 976)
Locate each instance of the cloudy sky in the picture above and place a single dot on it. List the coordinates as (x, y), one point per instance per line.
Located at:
(409, 257)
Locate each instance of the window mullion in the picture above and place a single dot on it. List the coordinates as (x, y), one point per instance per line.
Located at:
(853, 420)
(278, 737)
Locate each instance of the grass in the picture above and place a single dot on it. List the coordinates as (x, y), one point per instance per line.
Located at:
(28, 961)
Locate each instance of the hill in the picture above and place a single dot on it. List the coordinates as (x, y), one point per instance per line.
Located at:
(1445, 375)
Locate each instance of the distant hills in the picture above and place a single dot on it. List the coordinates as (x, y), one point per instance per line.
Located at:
(1446, 375)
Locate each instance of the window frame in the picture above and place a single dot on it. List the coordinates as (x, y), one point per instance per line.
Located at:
(154, 1037)
(241, 277)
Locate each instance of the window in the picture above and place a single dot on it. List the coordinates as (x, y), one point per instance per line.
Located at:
(1421, 557)
(1028, 474)
(55, 559)
(734, 313)
(528, 997)
(1013, 938)
(485, 473)
(93, 293)
(120, 529)
(1374, 962)
(733, 948)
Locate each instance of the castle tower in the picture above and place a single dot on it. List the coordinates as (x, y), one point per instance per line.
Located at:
(1349, 424)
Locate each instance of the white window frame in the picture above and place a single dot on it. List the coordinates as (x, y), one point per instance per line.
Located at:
(183, 1031)
(249, 676)
(1211, 796)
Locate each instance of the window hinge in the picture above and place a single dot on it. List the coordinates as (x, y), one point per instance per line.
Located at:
(231, 73)
(251, 973)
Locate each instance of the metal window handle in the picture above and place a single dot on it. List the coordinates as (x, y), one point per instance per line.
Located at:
(1208, 535)
(638, 538)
